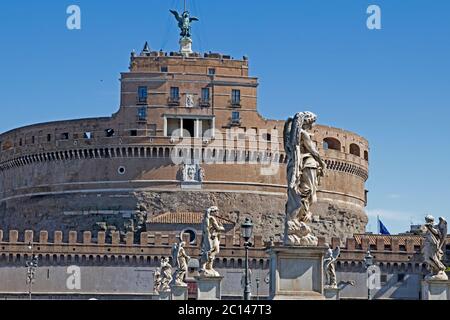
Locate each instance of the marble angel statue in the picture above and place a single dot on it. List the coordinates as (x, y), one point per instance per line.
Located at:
(434, 248)
(304, 169)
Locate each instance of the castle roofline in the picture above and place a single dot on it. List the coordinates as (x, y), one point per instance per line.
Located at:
(56, 122)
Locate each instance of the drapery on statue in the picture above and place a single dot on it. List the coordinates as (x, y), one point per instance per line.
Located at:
(210, 242)
(184, 22)
(433, 248)
(166, 275)
(180, 261)
(304, 169)
(329, 260)
(157, 280)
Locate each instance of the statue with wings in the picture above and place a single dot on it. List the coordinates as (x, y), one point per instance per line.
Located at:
(434, 247)
(184, 22)
(305, 167)
(180, 261)
(330, 258)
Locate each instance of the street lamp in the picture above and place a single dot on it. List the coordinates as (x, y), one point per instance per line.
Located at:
(368, 261)
(246, 233)
(32, 265)
(258, 281)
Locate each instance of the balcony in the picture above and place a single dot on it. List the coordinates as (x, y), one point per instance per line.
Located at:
(235, 103)
(236, 122)
(173, 101)
(205, 103)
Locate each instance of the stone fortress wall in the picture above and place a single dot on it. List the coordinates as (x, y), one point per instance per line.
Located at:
(119, 170)
(103, 256)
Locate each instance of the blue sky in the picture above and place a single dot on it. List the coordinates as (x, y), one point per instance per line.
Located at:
(392, 86)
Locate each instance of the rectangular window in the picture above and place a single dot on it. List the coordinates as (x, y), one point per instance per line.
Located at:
(205, 94)
(133, 133)
(65, 136)
(211, 71)
(236, 97)
(164, 69)
(175, 93)
(49, 137)
(87, 135)
(142, 93)
(142, 114)
(20, 142)
(235, 116)
(33, 140)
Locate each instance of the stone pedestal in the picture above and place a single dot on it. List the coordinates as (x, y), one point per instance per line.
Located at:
(296, 273)
(209, 288)
(165, 296)
(186, 46)
(331, 293)
(179, 292)
(436, 290)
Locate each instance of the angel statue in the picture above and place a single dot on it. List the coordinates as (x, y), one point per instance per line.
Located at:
(184, 22)
(305, 167)
(330, 258)
(157, 281)
(210, 242)
(434, 247)
(180, 261)
(166, 272)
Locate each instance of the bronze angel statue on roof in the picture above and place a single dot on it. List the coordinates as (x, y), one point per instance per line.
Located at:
(184, 22)
(434, 247)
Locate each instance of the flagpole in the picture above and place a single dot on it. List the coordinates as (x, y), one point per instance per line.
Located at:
(378, 224)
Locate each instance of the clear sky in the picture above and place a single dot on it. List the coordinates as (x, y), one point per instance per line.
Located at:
(391, 86)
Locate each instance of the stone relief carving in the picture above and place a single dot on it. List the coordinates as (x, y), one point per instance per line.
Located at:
(210, 242)
(433, 248)
(193, 173)
(180, 261)
(329, 266)
(304, 169)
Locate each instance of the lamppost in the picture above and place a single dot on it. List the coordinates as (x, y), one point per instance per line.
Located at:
(32, 265)
(258, 281)
(368, 261)
(246, 233)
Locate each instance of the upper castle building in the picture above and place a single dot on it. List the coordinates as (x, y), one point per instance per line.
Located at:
(187, 136)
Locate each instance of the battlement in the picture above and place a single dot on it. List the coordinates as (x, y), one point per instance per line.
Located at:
(362, 243)
(211, 64)
(114, 238)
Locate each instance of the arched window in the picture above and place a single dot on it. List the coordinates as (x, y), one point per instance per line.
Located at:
(332, 143)
(354, 150)
(366, 155)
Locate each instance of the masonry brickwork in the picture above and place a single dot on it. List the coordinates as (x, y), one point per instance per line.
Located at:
(119, 171)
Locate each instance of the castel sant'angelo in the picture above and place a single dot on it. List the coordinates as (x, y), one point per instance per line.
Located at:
(187, 136)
